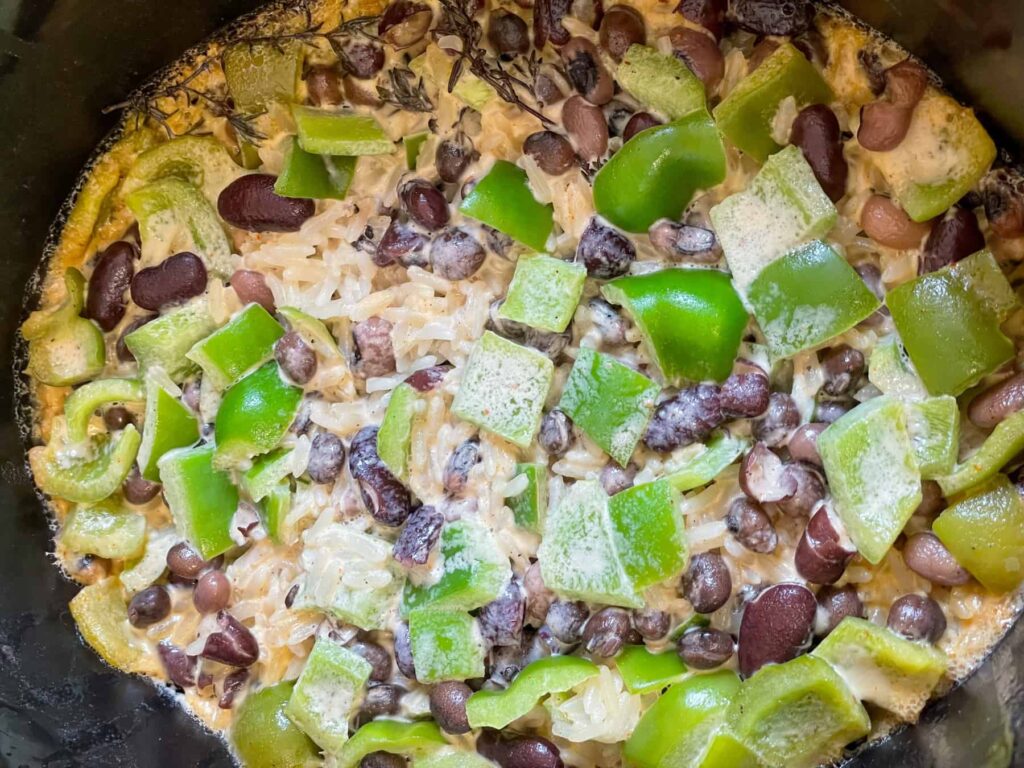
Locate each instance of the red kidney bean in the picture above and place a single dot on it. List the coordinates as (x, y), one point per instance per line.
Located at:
(705, 647)
(424, 204)
(518, 751)
(639, 122)
(179, 666)
(400, 243)
(149, 606)
(363, 59)
(501, 620)
(565, 619)
(547, 22)
(428, 379)
(117, 417)
(250, 203)
(997, 402)
(888, 224)
(176, 280)
(781, 418)
(803, 443)
(552, 152)
(326, 458)
(456, 255)
(926, 556)
(323, 86)
(684, 242)
(763, 476)
(621, 27)
(916, 618)
(111, 276)
(451, 158)
(586, 72)
(448, 706)
(776, 626)
(883, 125)
(1002, 192)
(905, 83)
(404, 23)
(745, 395)
(586, 126)
(954, 236)
(212, 592)
(403, 651)
(251, 288)
(650, 623)
(688, 417)
(386, 499)
(772, 17)
(751, 526)
(821, 557)
(707, 583)
(615, 479)
(233, 683)
(295, 358)
(233, 645)
(605, 632)
(184, 561)
(419, 536)
(459, 465)
(700, 53)
(373, 343)
(508, 34)
(377, 657)
(809, 490)
(123, 353)
(710, 14)
(843, 366)
(816, 131)
(834, 605)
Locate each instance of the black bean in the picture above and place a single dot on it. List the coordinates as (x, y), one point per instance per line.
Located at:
(705, 647)
(707, 583)
(685, 243)
(687, 418)
(505, 662)
(400, 243)
(550, 344)
(448, 706)
(498, 242)
(175, 280)
(419, 536)
(1002, 399)
(809, 490)
(916, 618)
(586, 126)
(551, 151)
(110, 278)
(117, 417)
(608, 321)
(547, 22)
(816, 131)
(772, 17)
(615, 479)
(776, 626)
(185, 561)
(538, 596)
(781, 418)
(803, 443)
(326, 458)
(386, 499)
(1002, 191)
(745, 395)
(547, 86)
(508, 33)
(363, 59)
(518, 751)
(501, 620)
(123, 353)
(323, 86)
(179, 666)
(637, 123)
(926, 556)
(565, 619)
(621, 27)
(424, 203)
(650, 623)
(149, 606)
(828, 411)
(377, 656)
(403, 651)
(251, 288)
(822, 554)
(555, 435)
(380, 700)
(751, 526)
(233, 645)
(381, 759)
(296, 358)
(605, 632)
(404, 23)
(954, 236)
(834, 605)
(455, 254)
(700, 53)
(459, 465)
(373, 343)
(451, 158)
(709, 14)
(212, 592)
(763, 476)
(250, 203)
(428, 379)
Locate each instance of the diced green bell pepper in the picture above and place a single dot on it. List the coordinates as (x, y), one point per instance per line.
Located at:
(796, 713)
(315, 177)
(274, 510)
(248, 155)
(646, 672)
(165, 342)
(1005, 442)
(169, 424)
(890, 370)
(446, 645)
(695, 620)
(83, 402)
(474, 571)
(783, 207)
(530, 506)
(202, 161)
(807, 297)
(869, 462)
(503, 389)
(722, 450)
(745, 116)
(691, 320)
(202, 499)
(578, 556)
(395, 435)
(554, 674)
(609, 401)
(258, 74)
(413, 145)
(882, 667)
(934, 425)
(150, 566)
(87, 481)
(264, 736)
(104, 531)
(63, 348)
(985, 533)
(340, 132)
(392, 736)
(660, 82)
(447, 758)
(502, 199)
(266, 473)
(657, 172)
(101, 613)
(254, 415)
(949, 322)
(241, 346)
(544, 292)
(327, 692)
(649, 533)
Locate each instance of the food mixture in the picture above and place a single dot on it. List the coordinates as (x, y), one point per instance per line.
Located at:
(537, 383)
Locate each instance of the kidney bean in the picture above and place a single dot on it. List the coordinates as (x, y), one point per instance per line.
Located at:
(650, 623)
(761, 51)
(373, 343)
(179, 666)
(501, 620)
(212, 592)
(821, 556)
(377, 656)
(816, 131)
(404, 23)
(508, 34)
(953, 237)
(566, 618)
(709, 14)
(250, 203)
(772, 17)
(700, 53)
(380, 700)
(233, 683)
(684, 242)
(688, 417)
(552, 152)
(456, 255)
(448, 706)
(459, 465)
(251, 288)
(363, 59)
(843, 366)
(605, 632)
(916, 618)
(176, 280)
(905, 83)
(781, 418)
(381, 759)
(518, 751)
(451, 158)
(428, 379)
(926, 556)
(400, 243)
(608, 321)
(883, 125)
(386, 499)
(638, 122)
(834, 605)
(586, 126)
(605, 252)
(1002, 192)
(403, 651)
(326, 458)
(547, 22)
(763, 476)
(357, 93)
(888, 224)
(705, 647)
(621, 27)
(1002, 399)
(111, 276)
(745, 395)
(751, 526)
(295, 358)
(117, 417)
(233, 645)
(419, 536)
(707, 583)
(149, 606)
(323, 86)
(586, 72)
(809, 490)
(615, 479)
(776, 626)
(424, 204)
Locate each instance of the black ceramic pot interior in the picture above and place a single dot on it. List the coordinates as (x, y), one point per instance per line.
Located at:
(61, 63)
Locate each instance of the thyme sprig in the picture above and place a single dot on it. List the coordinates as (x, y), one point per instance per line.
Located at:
(405, 91)
(312, 32)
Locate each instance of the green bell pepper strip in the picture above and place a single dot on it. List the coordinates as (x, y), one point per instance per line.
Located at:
(502, 199)
(807, 297)
(721, 451)
(555, 674)
(259, 74)
(646, 672)
(144, 570)
(544, 293)
(265, 737)
(83, 402)
(241, 346)
(530, 506)
(1004, 442)
(949, 322)
(169, 424)
(649, 533)
(86, 482)
(745, 116)
(171, 201)
(656, 173)
(934, 425)
(340, 133)
(413, 145)
(266, 473)
(985, 533)
(395, 435)
(274, 509)
(101, 614)
(202, 499)
(202, 161)
(254, 415)
(446, 645)
(316, 177)
(609, 401)
(695, 620)
(691, 320)
(392, 736)
(63, 348)
(661, 82)
(164, 343)
(106, 532)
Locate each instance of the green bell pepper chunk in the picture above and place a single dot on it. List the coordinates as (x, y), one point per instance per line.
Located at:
(258, 74)
(870, 465)
(254, 415)
(165, 342)
(170, 203)
(393, 737)
(446, 645)
(241, 346)
(202, 499)
(413, 145)
(266, 473)
(201, 161)
(890, 370)
(1004, 442)
(503, 389)
(882, 667)
(395, 435)
(544, 293)
(340, 133)
(145, 569)
(794, 714)
(649, 533)
(934, 425)
(327, 692)
(274, 510)
(83, 402)
(63, 348)
(656, 173)
(502, 199)
(578, 555)
(646, 672)
(985, 533)
(169, 424)
(453, 759)
(265, 737)
(949, 322)
(721, 451)
(248, 155)
(661, 82)
(745, 116)
(530, 506)
(316, 177)
(695, 620)
(474, 571)
(691, 320)
(807, 297)
(609, 401)
(101, 614)
(89, 481)
(104, 531)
